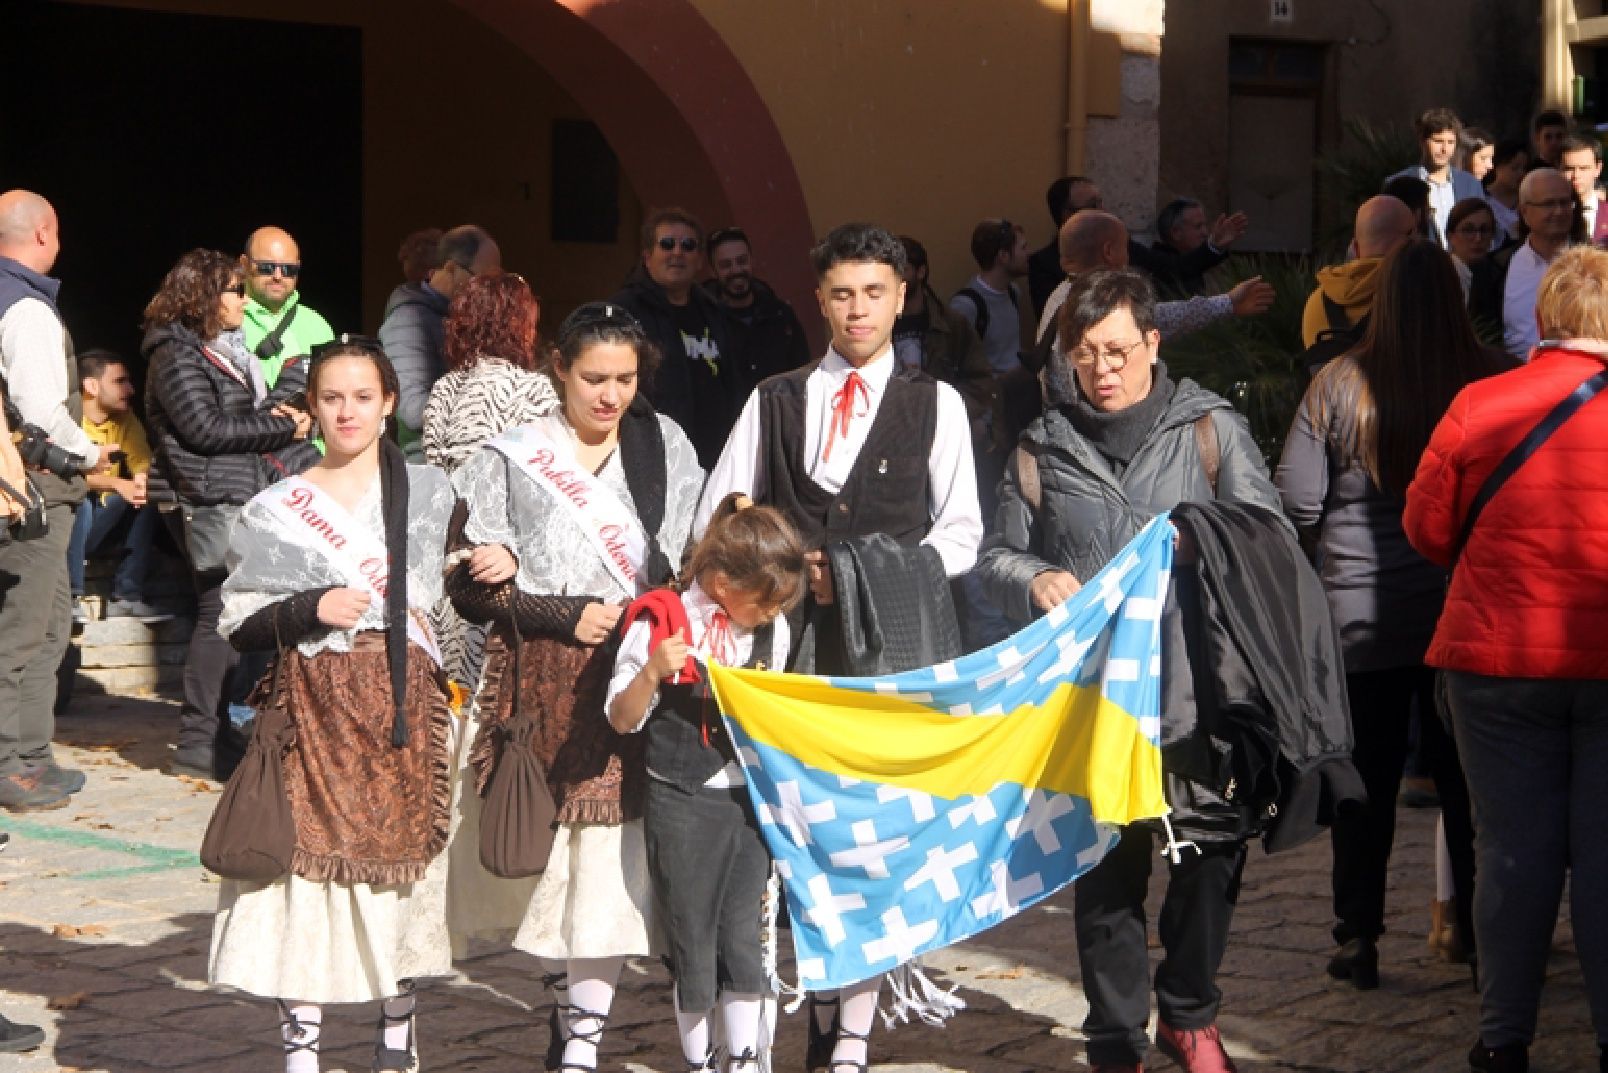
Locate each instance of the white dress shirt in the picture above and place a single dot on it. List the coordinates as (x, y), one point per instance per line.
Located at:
(33, 359)
(700, 608)
(1519, 333)
(957, 523)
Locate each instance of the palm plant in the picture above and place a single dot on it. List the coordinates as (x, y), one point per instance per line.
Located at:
(1254, 362)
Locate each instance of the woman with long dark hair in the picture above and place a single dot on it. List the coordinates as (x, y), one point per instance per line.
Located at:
(214, 429)
(1343, 478)
(594, 504)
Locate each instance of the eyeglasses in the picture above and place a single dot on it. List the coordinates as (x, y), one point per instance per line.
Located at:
(1116, 357)
(669, 242)
(1552, 204)
(716, 238)
(288, 269)
(236, 289)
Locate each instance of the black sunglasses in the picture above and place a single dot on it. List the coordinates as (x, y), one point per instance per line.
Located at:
(668, 243)
(288, 269)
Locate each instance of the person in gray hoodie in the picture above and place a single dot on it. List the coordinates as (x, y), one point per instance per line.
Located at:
(414, 331)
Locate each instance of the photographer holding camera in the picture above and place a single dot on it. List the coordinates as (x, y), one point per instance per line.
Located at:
(41, 383)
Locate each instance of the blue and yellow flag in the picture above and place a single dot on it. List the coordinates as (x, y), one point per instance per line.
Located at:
(914, 810)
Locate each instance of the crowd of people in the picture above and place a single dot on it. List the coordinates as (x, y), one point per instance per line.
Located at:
(481, 573)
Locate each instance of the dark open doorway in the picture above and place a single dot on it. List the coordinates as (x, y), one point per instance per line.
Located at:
(155, 133)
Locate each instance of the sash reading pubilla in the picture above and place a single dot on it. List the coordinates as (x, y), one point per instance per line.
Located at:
(611, 526)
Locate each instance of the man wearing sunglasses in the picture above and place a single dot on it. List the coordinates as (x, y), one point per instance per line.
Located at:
(277, 326)
(415, 327)
(696, 384)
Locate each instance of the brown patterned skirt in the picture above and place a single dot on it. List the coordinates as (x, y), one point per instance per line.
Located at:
(365, 811)
(595, 774)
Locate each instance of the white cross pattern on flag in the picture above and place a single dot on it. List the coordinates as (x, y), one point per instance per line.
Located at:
(900, 940)
(795, 815)
(979, 809)
(826, 909)
(920, 804)
(940, 870)
(1006, 897)
(1043, 809)
(868, 853)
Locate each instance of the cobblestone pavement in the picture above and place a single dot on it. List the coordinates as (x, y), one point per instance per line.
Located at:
(105, 919)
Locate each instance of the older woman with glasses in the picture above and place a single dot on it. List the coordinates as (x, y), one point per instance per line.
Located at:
(1120, 443)
(214, 430)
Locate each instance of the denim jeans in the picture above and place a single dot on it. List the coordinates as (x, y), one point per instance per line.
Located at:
(95, 523)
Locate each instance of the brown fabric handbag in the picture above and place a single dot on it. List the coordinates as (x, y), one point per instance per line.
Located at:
(252, 835)
(517, 820)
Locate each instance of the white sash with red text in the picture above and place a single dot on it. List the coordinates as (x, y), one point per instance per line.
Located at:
(613, 528)
(311, 518)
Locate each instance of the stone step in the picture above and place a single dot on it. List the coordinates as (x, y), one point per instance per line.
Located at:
(139, 655)
(125, 680)
(128, 631)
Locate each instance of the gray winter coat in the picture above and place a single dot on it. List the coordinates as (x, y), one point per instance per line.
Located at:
(1086, 515)
(1089, 513)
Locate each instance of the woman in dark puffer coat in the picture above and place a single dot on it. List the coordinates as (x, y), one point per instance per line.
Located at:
(214, 431)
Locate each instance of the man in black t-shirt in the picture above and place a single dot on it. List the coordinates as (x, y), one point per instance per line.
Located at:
(696, 384)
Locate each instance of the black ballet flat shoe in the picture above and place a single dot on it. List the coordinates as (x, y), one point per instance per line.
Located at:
(1357, 962)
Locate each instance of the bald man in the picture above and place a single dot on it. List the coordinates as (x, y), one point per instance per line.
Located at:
(41, 376)
(1345, 292)
(1095, 239)
(277, 326)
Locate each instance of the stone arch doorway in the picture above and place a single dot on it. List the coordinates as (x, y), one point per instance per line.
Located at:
(682, 115)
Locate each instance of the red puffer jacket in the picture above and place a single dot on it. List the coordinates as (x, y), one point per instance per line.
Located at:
(1529, 598)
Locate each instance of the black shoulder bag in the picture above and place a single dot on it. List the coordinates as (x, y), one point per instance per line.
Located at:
(274, 341)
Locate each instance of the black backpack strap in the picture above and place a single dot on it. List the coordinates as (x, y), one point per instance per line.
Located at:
(274, 341)
(980, 321)
(1334, 312)
(1521, 454)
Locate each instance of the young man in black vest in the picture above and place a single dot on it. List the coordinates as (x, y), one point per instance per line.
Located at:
(849, 447)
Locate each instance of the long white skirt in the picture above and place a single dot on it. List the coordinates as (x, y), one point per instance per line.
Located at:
(335, 942)
(595, 900)
(479, 905)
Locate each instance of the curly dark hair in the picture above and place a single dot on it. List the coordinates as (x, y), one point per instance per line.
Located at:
(493, 317)
(190, 291)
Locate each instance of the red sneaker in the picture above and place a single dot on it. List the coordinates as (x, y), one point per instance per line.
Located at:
(1196, 1050)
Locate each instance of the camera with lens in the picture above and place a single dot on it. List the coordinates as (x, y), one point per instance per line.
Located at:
(40, 451)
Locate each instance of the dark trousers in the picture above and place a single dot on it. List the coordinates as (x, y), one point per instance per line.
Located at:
(1109, 911)
(709, 867)
(1536, 751)
(1381, 708)
(35, 626)
(207, 666)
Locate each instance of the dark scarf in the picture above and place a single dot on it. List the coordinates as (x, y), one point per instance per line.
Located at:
(1118, 436)
(642, 458)
(394, 508)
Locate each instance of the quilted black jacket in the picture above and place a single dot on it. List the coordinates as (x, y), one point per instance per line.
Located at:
(209, 442)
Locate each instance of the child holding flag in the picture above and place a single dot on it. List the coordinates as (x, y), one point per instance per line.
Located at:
(706, 857)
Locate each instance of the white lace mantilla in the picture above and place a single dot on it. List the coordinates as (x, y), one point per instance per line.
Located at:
(555, 556)
(267, 566)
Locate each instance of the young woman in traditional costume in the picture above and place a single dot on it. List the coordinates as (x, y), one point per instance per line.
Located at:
(591, 504)
(335, 569)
